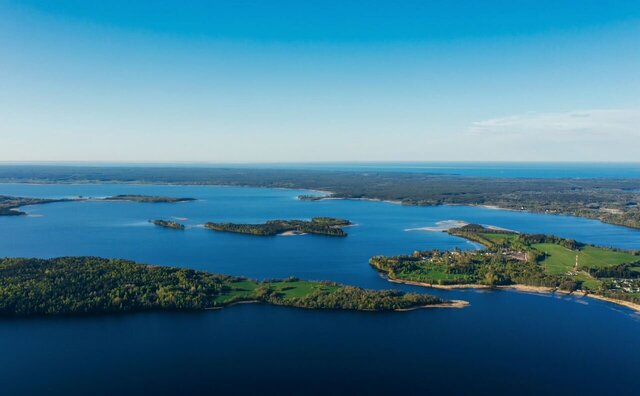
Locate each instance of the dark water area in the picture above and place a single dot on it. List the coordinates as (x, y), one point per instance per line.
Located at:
(505, 342)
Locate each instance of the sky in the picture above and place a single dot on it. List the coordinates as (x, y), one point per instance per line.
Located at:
(297, 81)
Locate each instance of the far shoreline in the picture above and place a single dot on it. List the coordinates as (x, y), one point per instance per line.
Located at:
(328, 195)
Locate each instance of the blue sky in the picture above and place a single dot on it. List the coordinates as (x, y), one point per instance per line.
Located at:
(262, 81)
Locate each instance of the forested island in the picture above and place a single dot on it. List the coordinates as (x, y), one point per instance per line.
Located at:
(9, 205)
(512, 259)
(328, 226)
(168, 224)
(93, 285)
(147, 198)
(614, 201)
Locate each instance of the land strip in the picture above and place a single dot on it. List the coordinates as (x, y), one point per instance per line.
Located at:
(614, 201)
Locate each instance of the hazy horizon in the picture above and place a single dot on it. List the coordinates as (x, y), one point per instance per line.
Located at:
(311, 163)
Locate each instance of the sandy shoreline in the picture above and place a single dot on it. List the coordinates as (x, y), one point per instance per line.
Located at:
(532, 289)
(436, 286)
(521, 288)
(292, 233)
(628, 304)
(331, 197)
(441, 226)
(446, 304)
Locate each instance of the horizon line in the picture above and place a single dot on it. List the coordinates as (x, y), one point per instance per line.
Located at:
(309, 163)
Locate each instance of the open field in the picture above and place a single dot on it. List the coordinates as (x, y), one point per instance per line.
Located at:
(561, 260)
(595, 257)
(300, 288)
(499, 237)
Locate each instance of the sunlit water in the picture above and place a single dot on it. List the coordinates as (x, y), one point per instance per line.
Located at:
(504, 340)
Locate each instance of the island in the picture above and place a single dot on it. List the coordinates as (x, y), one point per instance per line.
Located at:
(532, 262)
(147, 198)
(614, 201)
(94, 285)
(168, 224)
(328, 226)
(9, 205)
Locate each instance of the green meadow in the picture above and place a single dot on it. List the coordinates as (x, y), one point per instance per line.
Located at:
(288, 289)
(560, 260)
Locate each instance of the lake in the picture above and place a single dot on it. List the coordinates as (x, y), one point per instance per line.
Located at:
(553, 344)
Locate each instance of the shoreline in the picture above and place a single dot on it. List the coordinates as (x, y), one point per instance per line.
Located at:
(633, 306)
(232, 304)
(521, 289)
(326, 197)
(436, 286)
(446, 304)
(291, 233)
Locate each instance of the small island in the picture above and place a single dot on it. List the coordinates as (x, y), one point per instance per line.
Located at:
(328, 226)
(531, 262)
(93, 285)
(308, 197)
(147, 198)
(168, 224)
(9, 205)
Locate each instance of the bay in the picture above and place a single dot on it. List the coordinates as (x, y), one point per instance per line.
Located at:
(554, 344)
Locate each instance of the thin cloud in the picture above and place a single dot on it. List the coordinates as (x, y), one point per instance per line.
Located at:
(596, 124)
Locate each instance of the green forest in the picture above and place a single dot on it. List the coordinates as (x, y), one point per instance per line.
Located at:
(318, 225)
(93, 285)
(147, 198)
(168, 224)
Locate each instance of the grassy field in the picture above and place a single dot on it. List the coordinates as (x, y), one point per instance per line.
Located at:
(290, 289)
(561, 259)
(588, 282)
(241, 289)
(300, 288)
(499, 237)
(595, 257)
(432, 273)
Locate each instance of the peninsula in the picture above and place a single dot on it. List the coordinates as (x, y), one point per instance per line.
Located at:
(9, 205)
(526, 261)
(93, 285)
(318, 225)
(147, 198)
(168, 224)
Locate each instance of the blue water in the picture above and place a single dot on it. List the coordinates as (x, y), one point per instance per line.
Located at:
(505, 342)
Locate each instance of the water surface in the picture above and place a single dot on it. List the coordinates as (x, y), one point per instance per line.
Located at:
(502, 341)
